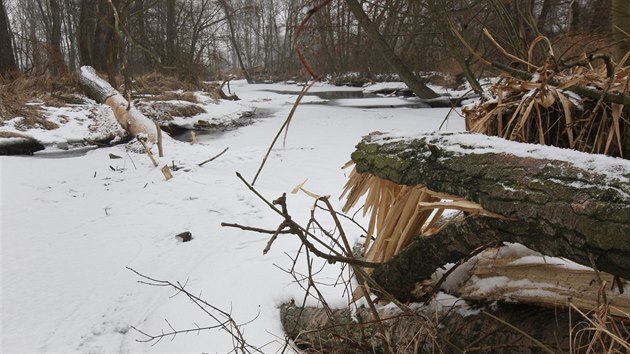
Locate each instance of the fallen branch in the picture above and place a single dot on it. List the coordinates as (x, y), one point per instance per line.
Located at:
(284, 127)
(223, 319)
(147, 150)
(214, 157)
(253, 229)
(231, 97)
(303, 233)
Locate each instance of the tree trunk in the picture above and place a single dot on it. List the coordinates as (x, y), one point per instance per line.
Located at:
(7, 60)
(621, 24)
(545, 15)
(435, 329)
(171, 33)
(418, 87)
(85, 32)
(557, 207)
(96, 37)
(235, 46)
(453, 44)
(58, 65)
(129, 118)
(599, 16)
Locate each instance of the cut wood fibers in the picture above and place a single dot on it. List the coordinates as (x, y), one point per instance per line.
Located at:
(399, 213)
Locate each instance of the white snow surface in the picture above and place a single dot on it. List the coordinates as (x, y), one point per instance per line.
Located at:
(71, 225)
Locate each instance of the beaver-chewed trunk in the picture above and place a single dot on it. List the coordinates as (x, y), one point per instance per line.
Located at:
(555, 201)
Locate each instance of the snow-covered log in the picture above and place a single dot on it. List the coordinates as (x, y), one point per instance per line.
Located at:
(505, 275)
(129, 117)
(558, 202)
(18, 144)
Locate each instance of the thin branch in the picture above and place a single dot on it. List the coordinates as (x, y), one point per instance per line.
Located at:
(302, 233)
(285, 124)
(299, 30)
(254, 229)
(228, 324)
(214, 157)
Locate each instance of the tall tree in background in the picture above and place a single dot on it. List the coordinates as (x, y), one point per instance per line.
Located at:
(621, 24)
(414, 83)
(50, 11)
(235, 45)
(7, 60)
(96, 37)
(171, 34)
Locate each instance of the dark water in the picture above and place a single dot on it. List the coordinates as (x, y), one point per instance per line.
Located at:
(327, 95)
(62, 154)
(331, 96)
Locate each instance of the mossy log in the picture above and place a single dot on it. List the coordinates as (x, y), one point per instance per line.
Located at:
(434, 329)
(555, 201)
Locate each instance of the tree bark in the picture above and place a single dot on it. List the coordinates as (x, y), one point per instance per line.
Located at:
(96, 37)
(441, 18)
(235, 46)
(7, 60)
(418, 87)
(436, 329)
(621, 24)
(127, 116)
(171, 33)
(52, 20)
(556, 207)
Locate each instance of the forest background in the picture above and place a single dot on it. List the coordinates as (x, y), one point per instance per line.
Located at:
(256, 39)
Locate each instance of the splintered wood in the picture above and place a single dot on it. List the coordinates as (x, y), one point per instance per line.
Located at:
(399, 213)
(528, 280)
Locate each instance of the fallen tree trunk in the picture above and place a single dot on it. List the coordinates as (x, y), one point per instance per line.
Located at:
(131, 119)
(558, 202)
(18, 144)
(548, 282)
(449, 329)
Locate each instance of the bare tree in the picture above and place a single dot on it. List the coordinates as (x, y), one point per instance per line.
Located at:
(7, 60)
(96, 37)
(50, 11)
(417, 86)
(621, 26)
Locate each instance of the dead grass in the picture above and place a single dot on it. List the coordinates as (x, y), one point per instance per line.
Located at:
(163, 111)
(24, 96)
(18, 95)
(174, 96)
(164, 87)
(157, 84)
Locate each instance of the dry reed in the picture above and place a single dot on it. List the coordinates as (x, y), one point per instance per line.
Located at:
(537, 111)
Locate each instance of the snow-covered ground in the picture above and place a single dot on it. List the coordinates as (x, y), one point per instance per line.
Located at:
(71, 226)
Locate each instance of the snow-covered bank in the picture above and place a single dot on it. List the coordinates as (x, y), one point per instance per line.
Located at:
(71, 226)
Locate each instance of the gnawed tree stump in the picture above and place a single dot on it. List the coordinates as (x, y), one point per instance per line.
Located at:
(446, 328)
(558, 202)
(131, 119)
